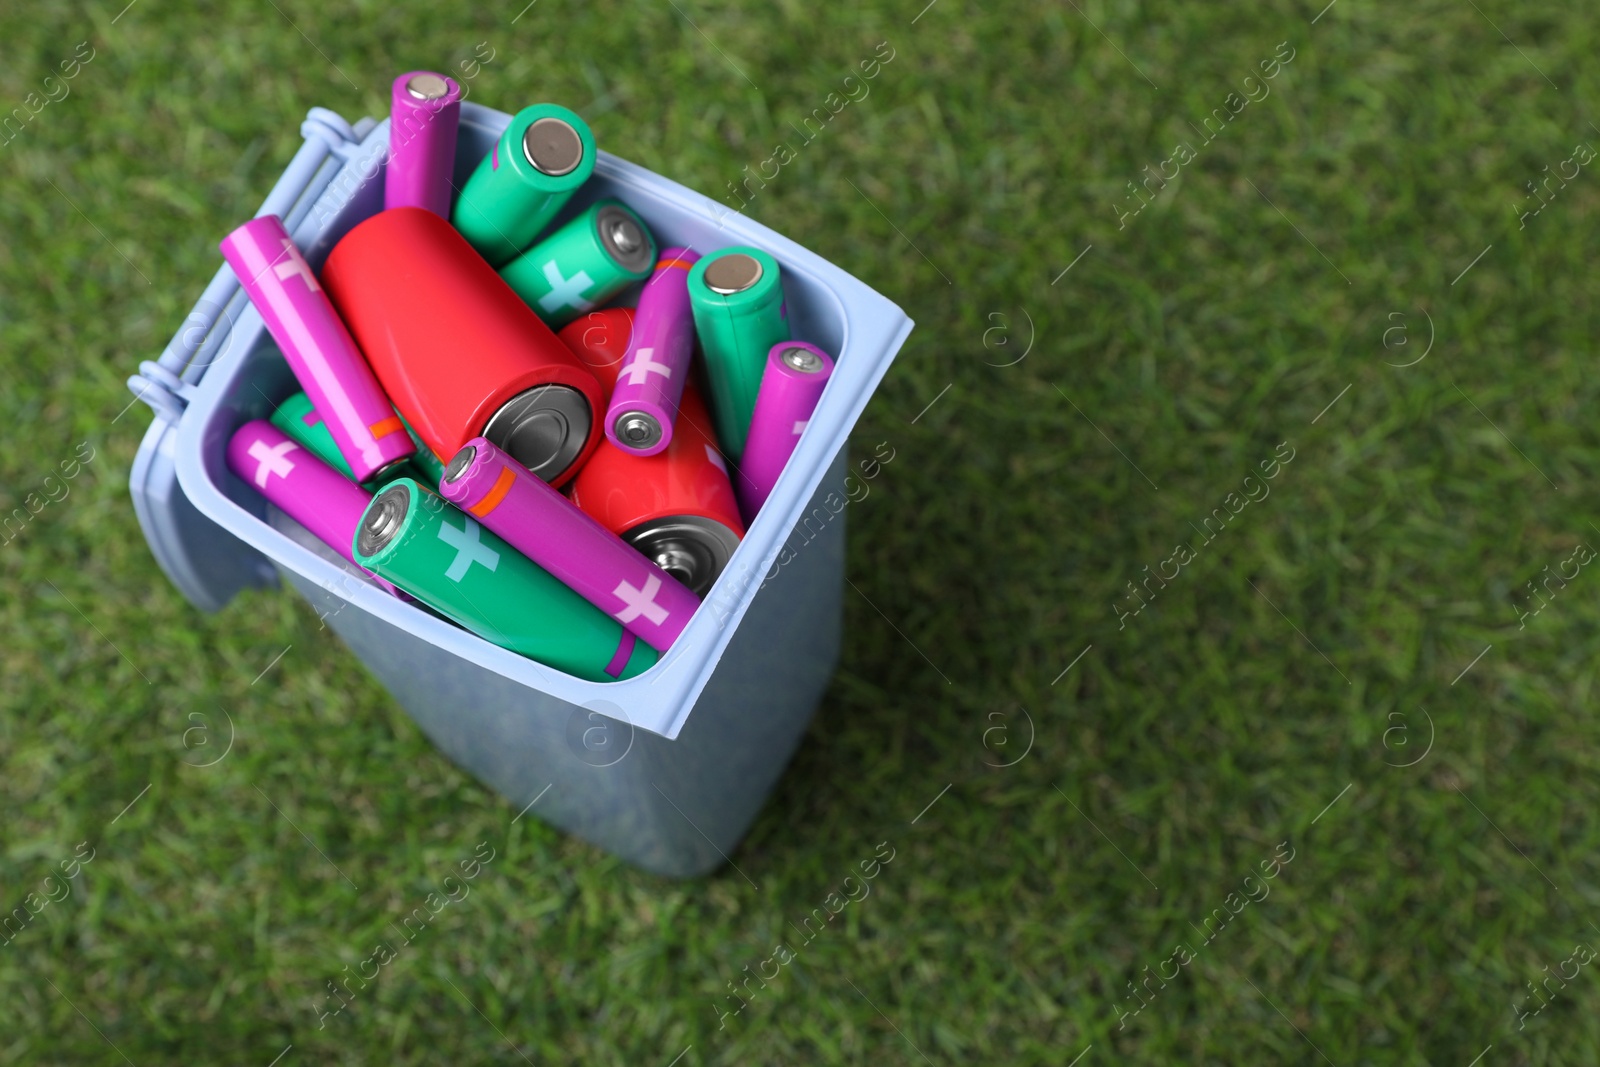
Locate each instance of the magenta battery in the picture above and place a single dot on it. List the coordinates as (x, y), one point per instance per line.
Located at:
(320, 351)
(791, 385)
(644, 403)
(302, 486)
(549, 529)
(424, 114)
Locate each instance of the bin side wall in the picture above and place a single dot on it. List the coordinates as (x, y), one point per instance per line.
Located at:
(206, 563)
(675, 807)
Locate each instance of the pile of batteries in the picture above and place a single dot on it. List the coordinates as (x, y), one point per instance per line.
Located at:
(438, 394)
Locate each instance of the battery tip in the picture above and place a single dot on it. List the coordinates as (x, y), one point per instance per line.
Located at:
(543, 428)
(626, 234)
(732, 273)
(638, 429)
(553, 147)
(624, 237)
(796, 357)
(383, 519)
(463, 459)
(427, 86)
(677, 561)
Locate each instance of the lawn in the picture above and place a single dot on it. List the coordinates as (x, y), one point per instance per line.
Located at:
(1218, 675)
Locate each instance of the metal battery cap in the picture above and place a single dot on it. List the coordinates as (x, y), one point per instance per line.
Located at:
(733, 273)
(691, 548)
(801, 359)
(543, 428)
(460, 463)
(427, 86)
(385, 516)
(553, 147)
(623, 237)
(637, 429)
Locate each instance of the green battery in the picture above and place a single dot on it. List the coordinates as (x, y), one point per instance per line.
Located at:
(739, 314)
(440, 555)
(301, 423)
(545, 154)
(583, 264)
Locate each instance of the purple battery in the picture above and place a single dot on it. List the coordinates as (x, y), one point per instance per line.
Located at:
(791, 385)
(549, 529)
(423, 117)
(306, 489)
(650, 381)
(317, 345)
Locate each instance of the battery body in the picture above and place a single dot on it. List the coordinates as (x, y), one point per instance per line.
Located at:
(586, 262)
(677, 507)
(549, 529)
(739, 314)
(424, 115)
(790, 388)
(317, 346)
(305, 488)
(459, 354)
(303, 424)
(509, 199)
(650, 381)
(600, 341)
(445, 559)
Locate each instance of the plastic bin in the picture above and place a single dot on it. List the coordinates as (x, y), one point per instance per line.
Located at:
(666, 770)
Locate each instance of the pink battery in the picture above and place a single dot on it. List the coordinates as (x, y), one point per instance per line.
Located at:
(549, 529)
(317, 345)
(644, 403)
(791, 385)
(307, 490)
(424, 114)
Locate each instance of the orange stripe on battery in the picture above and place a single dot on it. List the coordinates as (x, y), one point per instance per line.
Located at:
(387, 426)
(667, 264)
(491, 499)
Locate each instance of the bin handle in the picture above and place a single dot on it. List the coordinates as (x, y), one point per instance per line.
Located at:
(168, 383)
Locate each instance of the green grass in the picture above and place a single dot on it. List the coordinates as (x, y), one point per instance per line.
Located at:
(1290, 665)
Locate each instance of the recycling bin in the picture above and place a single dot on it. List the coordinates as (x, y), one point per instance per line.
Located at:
(668, 769)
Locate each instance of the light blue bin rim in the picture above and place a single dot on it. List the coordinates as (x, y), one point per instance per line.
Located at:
(661, 699)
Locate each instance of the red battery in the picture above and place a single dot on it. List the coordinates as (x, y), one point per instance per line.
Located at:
(600, 341)
(458, 352)
(677, 507)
